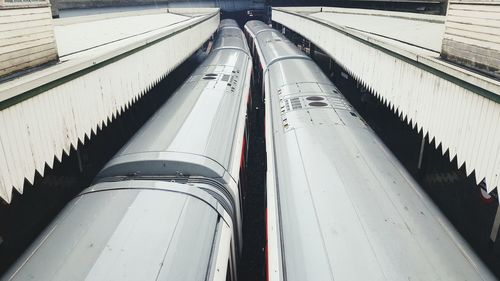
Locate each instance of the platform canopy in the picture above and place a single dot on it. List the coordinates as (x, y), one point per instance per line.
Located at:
(106, 63)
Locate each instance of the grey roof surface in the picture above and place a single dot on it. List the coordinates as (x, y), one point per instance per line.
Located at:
(191, 133)
(228, 23)
(277, 48)
(195, 134)
(135, 230)
(348, 210)
(412, 33)
(257, 26)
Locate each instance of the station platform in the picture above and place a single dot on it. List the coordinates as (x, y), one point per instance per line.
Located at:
(106, 63)
(396, 57)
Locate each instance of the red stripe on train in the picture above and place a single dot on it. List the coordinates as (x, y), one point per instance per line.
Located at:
(266, 251)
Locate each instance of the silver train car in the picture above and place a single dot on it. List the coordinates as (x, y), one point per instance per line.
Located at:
(168, 205)
(339, 205)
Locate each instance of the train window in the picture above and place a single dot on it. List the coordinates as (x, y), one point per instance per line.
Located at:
(211, 74)
(208, 78)
(317, 103)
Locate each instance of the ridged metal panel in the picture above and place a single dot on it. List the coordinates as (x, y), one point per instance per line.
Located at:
(460, 115)
(472, 35)
(26, 37)
(48, 124)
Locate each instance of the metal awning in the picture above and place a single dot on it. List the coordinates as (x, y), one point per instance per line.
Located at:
(107, 63)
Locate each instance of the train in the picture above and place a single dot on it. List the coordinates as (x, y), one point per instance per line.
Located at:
(340, 206)
(167, 206)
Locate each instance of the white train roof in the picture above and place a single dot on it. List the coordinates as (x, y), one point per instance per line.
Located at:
(191, 134)
(135, 230)
(347, 209)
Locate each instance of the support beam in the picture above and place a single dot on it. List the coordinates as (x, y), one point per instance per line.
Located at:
(312, 49)
(421, 154)
(54, 7)
(496, 226)
(79, 159)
